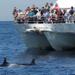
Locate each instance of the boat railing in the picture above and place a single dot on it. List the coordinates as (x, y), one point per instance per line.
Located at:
(42, 19)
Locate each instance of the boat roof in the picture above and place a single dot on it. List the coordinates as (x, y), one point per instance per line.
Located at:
(66, 3)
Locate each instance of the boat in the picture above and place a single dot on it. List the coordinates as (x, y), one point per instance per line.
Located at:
(61, 36)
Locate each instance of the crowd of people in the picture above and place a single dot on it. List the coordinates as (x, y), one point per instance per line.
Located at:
(50, 13)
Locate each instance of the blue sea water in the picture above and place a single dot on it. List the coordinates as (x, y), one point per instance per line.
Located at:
(55, 63)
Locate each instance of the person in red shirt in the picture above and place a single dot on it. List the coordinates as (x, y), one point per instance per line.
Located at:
(57, 8)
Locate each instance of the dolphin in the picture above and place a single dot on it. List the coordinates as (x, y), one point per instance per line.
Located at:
(7, 64)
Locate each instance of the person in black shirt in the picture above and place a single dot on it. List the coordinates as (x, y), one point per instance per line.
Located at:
(71, 11)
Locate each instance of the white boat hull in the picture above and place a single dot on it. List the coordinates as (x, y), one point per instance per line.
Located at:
(61, 41)
(61, 36)
(32, 39)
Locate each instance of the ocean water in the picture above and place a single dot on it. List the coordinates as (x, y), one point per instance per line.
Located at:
(11, 44)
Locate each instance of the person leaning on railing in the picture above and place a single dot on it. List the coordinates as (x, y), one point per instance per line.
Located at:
(15, 13)
(71, 12)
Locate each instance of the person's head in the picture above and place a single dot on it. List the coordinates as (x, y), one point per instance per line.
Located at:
(19, 10)
(42, 7)
(33, 6)
(51, 4)
(28, 8)
(52, 11)
(56, 5)
(47, 3)
(37, 8)
(71, 7)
